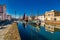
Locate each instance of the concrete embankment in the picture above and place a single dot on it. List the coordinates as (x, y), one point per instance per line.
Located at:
(10, 32)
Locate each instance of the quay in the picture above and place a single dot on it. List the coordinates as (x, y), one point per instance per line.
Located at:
(9, 32)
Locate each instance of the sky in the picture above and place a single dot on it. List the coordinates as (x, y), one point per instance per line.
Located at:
(30, 6)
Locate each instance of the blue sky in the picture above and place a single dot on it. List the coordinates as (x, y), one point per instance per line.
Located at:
(22, 6)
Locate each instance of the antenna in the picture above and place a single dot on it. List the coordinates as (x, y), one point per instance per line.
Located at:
(31, 13)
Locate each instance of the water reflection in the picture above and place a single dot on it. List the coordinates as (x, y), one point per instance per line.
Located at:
(24, 24)
(30, 33)
(52, 28)
(49, 28)
(39, 32)
(37, 28)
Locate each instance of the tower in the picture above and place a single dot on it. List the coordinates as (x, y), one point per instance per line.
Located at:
(24, 16)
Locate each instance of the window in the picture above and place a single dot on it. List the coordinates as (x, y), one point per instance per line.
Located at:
(48, 14)
(54, 19)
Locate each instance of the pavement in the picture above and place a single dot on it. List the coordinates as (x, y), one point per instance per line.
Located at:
(3, 31)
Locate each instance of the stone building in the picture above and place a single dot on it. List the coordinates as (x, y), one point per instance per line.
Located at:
(52, 15)
(2, 12)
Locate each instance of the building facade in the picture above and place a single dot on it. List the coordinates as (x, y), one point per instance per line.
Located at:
(9, 17)
(2, 12)
(52, 16)
(41, 17)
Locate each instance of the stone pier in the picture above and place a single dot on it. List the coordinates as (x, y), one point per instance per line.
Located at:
(9, 32)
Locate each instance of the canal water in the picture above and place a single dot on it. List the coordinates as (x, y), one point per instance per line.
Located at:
(29, 32)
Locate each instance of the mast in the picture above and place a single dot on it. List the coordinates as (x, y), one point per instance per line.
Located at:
(15, 14)
(32, 16)
(31, 12)
(37, 13)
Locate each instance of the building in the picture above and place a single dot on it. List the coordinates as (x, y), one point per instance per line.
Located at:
(9, 17)
(41, 17)
(52, 16)
(29, 18)
(20, 18)
(2, 12)
(25, 17)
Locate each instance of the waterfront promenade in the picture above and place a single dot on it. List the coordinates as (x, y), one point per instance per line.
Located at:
(9, 32)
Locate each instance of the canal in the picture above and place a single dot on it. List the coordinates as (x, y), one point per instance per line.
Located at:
(32, 33)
